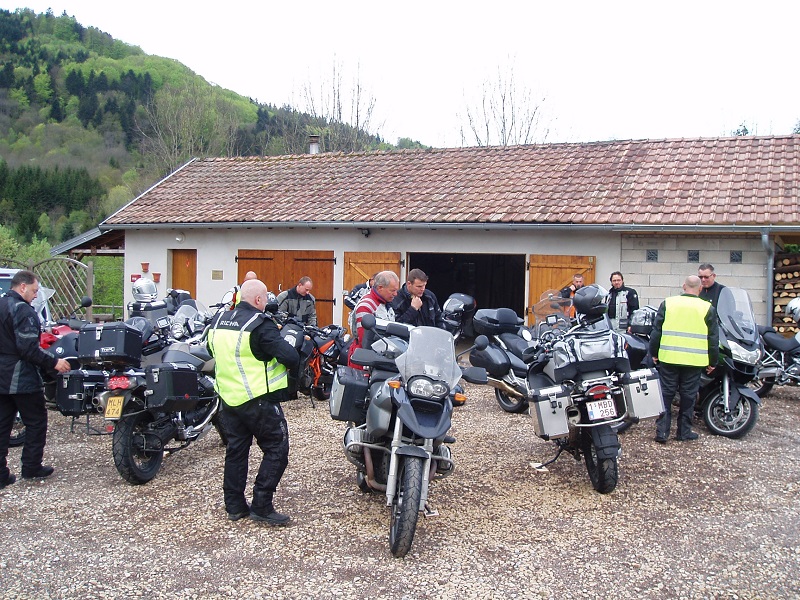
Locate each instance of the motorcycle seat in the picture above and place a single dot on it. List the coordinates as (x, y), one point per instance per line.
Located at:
(776, 340)
(515, 343)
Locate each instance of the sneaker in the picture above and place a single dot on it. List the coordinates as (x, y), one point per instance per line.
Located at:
(688, 437)
(39, 473)
(273, 518)
(235, 516)
(11, 479)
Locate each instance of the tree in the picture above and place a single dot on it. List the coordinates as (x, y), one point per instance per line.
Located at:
(506, 114)
(742, 130)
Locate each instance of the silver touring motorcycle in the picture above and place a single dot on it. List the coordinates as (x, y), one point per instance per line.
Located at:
(398, 411)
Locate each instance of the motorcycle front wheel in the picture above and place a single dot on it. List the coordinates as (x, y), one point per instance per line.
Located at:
(136, 463)
(741, 419)
(405, 506)
(603, 472)
(510, 404)
(17, 437)
(762, 387)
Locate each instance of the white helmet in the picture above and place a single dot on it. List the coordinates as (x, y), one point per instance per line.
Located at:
(144, 290)
(793, 309)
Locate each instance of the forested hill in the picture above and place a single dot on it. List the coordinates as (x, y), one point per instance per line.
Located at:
(87, 122)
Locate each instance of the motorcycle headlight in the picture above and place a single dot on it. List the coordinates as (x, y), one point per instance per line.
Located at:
(423, 387)
(742, 355)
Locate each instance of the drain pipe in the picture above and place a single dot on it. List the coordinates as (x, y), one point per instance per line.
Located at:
(769, 248)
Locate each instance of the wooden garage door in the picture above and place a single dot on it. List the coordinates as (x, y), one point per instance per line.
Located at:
(281, 269)
(184, 271)
(360, 266)
(553, 272)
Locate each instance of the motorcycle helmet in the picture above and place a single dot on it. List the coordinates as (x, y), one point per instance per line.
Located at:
(144, 290)
(642, 320)
(793, 309)
(591, 300)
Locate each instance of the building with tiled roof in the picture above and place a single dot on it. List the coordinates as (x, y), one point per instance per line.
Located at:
(501, 223)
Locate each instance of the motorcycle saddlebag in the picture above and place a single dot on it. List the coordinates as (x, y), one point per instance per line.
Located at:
(75, 390)
(348, 401)
(549, 412)
(172, 386)
(642, 392)
(492, 358)
(110, 343)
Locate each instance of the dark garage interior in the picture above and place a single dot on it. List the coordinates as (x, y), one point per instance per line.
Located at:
(494, 280)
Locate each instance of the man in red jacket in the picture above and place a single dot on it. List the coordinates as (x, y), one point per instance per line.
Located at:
(378, 302)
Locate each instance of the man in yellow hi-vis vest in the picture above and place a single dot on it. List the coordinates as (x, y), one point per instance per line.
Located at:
(251, 379)
(685, 340)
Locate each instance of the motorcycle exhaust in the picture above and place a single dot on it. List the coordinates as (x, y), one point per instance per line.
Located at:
(504, 387)
(381, 487)
(205, 424)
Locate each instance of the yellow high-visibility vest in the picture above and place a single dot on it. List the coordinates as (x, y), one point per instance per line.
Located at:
(684, 333)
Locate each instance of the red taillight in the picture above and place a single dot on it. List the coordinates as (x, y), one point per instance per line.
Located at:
(119, 383)
(598, 392)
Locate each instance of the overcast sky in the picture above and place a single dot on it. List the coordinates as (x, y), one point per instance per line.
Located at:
(605, 70)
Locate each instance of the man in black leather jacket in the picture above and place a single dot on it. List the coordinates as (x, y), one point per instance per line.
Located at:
(416, 305)
(21, 388)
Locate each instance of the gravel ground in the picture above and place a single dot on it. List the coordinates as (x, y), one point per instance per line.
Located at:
(715, 518)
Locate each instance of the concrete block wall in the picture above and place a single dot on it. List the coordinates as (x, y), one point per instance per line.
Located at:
(654, 281)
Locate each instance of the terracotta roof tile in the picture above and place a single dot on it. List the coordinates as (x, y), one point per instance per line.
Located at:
(738, 180)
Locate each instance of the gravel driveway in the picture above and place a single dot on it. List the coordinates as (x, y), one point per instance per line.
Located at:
(715, 518)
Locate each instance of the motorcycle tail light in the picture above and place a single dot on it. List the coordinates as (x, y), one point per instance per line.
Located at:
(119, 383)
(598, 392)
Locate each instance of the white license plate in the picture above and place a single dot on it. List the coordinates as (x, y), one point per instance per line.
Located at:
(601, 409)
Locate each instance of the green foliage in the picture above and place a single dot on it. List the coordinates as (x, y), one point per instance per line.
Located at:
(792, 248)
(9, 247)
(109, 273)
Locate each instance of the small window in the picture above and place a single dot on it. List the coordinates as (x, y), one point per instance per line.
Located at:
(736, 256)
(652, 256)
(693, 256)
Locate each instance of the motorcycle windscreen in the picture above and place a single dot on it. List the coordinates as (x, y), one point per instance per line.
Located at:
(431, 352)
(736, 317)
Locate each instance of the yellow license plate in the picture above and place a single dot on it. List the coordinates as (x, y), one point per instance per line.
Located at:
(114, 407)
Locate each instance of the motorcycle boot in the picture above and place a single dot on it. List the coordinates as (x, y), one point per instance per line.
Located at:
(272, 518)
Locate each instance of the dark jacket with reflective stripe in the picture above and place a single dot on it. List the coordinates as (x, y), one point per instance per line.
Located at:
(21, 356)
(711, 333)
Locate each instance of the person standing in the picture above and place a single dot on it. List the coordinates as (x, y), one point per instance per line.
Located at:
(299, 303)
(417, 305)
(236, 295)
(622, 301)
(711, 288)
(685, 340)
(21, 387)
(377, 301)
(251, 378)
(569, 291)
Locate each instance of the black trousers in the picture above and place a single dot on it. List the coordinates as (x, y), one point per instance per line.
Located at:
(265, 422)
(686, 382)
(33, 411)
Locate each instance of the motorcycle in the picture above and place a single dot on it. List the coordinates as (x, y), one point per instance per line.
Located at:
(578, 385)
(458, 311)
(152, 398)
(780, 363)
(399, 412)
(729, 407)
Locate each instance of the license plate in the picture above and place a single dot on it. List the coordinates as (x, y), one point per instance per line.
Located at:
(601, 409)
(114, 407)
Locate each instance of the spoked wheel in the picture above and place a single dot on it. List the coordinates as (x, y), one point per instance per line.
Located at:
(741, 419)
(17, 437)
(510, 404)
(134, 460)
(405, 506)
(603, 472)
(762, 387)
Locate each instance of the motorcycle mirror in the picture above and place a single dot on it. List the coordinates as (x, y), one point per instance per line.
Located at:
(481, 342)
(86, 302)
(368, 322)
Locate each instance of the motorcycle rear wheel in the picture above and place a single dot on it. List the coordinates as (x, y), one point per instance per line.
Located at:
(603, 472)
(17, 437)
(135, 464)
(762, 387)
(405, 506)
(741, 420)
(510, 404)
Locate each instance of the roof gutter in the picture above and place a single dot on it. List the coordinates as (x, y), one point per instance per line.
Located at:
(622, 228)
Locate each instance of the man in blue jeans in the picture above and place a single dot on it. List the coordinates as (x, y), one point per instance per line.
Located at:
(684, 342)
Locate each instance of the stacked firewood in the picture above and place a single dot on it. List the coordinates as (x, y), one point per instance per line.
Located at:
(786, 287)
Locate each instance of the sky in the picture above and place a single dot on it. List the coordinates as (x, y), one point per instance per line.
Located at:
(598, 70)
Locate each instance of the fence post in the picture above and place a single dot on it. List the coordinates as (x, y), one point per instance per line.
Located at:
(90, 287)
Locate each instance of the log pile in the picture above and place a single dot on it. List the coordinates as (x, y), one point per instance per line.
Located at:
(785, 288)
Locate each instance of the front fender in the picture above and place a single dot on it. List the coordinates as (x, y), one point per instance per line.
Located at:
(417, 451)
(739, 390)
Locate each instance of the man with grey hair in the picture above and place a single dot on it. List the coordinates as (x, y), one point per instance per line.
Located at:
(21, 387)
(376, 302)
(684, 341)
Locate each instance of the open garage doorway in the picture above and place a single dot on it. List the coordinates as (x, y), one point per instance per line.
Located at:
(494, 280)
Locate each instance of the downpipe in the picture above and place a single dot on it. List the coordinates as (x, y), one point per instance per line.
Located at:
(371, 481)
(505, 387)
(197, 431)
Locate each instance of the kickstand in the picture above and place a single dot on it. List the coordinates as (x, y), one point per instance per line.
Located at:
(543, 466)
(429, 511)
